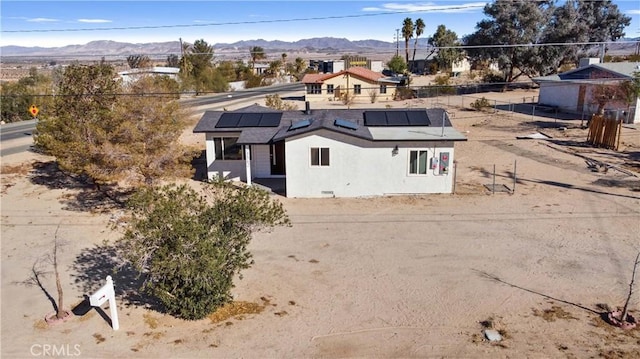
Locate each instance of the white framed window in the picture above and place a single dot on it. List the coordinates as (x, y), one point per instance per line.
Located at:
(319, 156)
(314, 88)
(357, 89)
(418, 162)
(329, 88)
(227, 148)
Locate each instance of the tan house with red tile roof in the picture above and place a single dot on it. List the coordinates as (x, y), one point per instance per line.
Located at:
(360, 81)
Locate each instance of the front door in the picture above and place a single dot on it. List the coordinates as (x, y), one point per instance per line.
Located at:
(276, 154)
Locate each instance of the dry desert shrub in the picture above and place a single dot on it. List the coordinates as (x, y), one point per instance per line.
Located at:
(234, 310)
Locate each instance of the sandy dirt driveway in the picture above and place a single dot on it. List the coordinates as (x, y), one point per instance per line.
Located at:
(387, 277)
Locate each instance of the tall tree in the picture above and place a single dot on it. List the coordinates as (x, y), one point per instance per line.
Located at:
(197, 70)
(580, 21)
(407, 33)
(419, 30)
(173, 61)
(138, 61)
(107, 132)
(514, 24)
(256, 53)
(443, 39)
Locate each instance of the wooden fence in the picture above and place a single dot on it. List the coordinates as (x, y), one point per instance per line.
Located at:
(604, 132)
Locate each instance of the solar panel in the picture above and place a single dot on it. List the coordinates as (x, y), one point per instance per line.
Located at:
(375, 118)
(250, 120)
(228, 120)
(397, 118)
(418, 118)
(271, 119)
(345, 124)
(300, 124)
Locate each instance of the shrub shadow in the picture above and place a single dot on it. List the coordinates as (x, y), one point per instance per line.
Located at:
(88, 196)
(93, 265)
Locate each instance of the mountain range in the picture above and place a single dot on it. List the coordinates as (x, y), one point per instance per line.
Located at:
(107, 48)
(113, 48)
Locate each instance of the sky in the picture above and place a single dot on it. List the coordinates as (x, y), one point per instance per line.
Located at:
(59, 23)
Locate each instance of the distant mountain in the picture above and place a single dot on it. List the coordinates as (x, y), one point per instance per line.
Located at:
(113, 48)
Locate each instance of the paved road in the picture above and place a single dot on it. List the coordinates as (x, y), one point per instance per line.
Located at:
(12, 132)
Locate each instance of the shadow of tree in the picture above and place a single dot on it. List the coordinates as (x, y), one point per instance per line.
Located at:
(88, 197)
(93, 265)
(199, 164)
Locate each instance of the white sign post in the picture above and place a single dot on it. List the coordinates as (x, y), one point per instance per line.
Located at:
(102, 295)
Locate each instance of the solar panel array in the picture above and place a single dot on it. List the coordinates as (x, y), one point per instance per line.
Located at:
(396, 118)
(300, 124)
(249, 119)
(345, 124)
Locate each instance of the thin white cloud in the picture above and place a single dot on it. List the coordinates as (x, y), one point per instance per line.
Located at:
(633, 12)
(42, 19)
(94, 21)
(430, 7)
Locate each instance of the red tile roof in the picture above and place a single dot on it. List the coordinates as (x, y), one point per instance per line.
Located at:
(361, 72)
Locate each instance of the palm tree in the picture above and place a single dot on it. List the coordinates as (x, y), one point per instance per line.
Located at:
(284, 61)
(419, 31)
(407, 33)
(257, 53)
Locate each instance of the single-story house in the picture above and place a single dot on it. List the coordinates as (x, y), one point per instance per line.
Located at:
(359, 81)
(133, 74)
(333, 152)
(571, 91)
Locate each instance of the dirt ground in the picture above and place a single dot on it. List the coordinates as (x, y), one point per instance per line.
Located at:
(388, 277)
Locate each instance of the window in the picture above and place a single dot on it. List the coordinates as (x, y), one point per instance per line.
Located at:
(329, 89)
(314, 88)
(227, 149)
(383, 88)
(418, 162)
(319, 156)
(357, 89)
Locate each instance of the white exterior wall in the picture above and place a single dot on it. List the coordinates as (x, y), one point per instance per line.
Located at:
(260, 165)
(377, 66)
(564, 96)
(361, 170)
(235, 170)
(461, 66)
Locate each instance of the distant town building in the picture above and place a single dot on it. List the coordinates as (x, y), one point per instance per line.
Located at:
(134, 74)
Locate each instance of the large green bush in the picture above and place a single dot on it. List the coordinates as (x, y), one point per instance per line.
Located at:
(189, 246)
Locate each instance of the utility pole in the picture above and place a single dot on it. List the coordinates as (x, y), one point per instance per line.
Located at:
(397, 40)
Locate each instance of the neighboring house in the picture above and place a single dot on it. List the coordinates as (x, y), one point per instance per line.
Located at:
(334, 153)
(459, 67)
(571, 91)
(360, 82)
(134, 74)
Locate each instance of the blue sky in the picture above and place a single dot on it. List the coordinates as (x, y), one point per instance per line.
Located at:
(78, 22)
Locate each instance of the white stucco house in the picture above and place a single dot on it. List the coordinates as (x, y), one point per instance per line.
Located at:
(358, 81)
(334, 153)
(571, 91)
(134, 74)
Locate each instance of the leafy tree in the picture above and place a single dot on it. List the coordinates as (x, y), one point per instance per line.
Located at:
(197, 70)
(189, 246)
(275, 102)
(419, 30)
(94, 132)
(407, 33)
(138, 61)
(256, 53)
(511, 23)
(173, 61)
(228, 70)
(18, 96)
(580, 21)
(274, 68)
(444, 39)
(397, 64)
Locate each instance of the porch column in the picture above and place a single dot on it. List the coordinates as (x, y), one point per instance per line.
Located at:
(247, 161)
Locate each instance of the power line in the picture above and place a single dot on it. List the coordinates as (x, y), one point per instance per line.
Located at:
(244, 22)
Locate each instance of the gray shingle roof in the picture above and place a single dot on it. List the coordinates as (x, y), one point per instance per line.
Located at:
(324, 119)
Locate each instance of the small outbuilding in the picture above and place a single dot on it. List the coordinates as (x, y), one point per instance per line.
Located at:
(334, 153)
